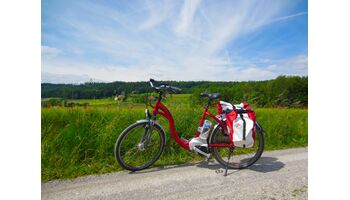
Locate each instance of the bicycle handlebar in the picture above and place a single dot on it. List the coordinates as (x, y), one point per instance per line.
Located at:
(163, 86)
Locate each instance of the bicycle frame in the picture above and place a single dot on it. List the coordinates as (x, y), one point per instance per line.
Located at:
(161, 109)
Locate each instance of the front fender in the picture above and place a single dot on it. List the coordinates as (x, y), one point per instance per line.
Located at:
(154, 122)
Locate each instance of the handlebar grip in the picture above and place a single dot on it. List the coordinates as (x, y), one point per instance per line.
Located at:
(158, 82)
(163, 85)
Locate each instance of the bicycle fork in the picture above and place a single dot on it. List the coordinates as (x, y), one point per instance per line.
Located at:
(147, 134)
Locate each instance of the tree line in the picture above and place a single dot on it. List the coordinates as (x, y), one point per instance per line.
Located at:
(284, 91)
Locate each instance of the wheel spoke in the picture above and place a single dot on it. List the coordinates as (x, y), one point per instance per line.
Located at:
(241, 157)
(137, 149)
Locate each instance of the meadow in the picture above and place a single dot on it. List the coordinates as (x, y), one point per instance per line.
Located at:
(80, 141)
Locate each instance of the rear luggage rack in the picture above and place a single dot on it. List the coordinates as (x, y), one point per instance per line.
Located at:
(239, 111)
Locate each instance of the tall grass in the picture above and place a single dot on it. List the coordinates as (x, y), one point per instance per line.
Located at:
(78, 142)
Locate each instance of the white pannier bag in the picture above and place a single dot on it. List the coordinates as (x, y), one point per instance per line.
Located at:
(238, 137)
(240, 124)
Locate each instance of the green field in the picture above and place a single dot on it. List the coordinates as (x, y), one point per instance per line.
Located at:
(78, 141)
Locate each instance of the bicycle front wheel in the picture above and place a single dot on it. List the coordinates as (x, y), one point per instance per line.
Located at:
(240, 157)
(139, 146)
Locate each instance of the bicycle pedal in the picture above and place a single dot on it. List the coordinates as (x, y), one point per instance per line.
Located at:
(203, 148)
(207, 155)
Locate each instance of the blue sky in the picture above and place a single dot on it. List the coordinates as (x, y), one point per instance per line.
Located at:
(173, 40)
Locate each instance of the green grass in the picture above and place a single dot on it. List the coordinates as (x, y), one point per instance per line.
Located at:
(77, 141)
(96, 102)
(132, 100)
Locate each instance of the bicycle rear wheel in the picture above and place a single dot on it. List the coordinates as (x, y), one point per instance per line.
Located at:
(138, 147)
(241, 157)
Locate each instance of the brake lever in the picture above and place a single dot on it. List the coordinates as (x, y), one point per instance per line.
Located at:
(177, 90)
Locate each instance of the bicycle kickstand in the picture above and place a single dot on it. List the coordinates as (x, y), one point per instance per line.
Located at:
(228, 160)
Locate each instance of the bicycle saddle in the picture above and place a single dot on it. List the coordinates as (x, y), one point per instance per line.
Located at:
(211, 96)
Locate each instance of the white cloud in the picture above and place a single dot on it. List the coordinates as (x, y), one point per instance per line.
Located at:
(186, 16)
(157, 13)
(168, 40)
(47, 51)
(65, 78)
(297, 65)
(289, 17)
(202, 69)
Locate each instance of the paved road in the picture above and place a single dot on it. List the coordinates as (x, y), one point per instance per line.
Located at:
(277, 175)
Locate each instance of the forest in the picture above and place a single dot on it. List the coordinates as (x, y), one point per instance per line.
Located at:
(284, 91)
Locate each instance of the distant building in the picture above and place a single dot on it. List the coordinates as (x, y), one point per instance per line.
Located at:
(119, 97)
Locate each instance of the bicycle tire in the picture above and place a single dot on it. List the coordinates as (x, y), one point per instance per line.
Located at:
(117, 149)
(259, 135)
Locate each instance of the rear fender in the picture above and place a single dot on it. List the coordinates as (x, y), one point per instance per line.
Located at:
(216, 126)
(258, 127)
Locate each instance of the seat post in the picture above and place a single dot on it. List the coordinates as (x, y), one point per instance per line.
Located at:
(207, 106)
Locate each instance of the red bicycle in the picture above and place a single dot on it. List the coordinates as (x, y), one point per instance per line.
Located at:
(142, 143)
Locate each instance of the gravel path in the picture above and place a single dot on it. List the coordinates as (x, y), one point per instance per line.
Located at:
(277, 175)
